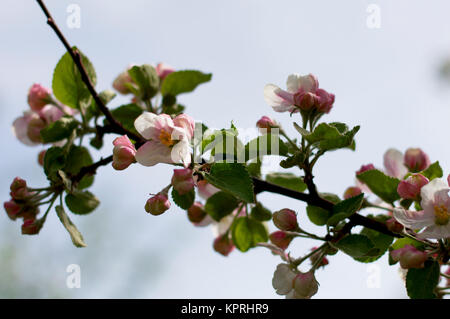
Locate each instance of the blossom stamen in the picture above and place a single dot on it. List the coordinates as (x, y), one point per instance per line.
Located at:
(442, 215)
(165, 138)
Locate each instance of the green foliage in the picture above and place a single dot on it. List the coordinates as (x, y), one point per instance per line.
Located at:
(345, 209)
(183, 201)
(381, 185)
(247, 232)
(433, 171)
(54, 160)
(67, 84)
(287, 180)
(146, 79)
(183, 81)
(421, 282)
(59, 130)
(356, 246)
(75, 235)
(126, 115)
(317, 215)
(232, 178)
(77, 158)
(259, 212)
(81, 202)
(267, 144)
(381, 241)
(220, 205)
(254, 168)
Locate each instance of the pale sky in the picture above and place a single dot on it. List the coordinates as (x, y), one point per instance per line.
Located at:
(384, 80)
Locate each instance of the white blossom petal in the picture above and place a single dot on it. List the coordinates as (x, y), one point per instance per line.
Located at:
(393, 163)
(181, 152)
(279, 100)
(436, 232)
(428, 191)
(282, 279)
(414, 219)
(149, 125)
(152, 153)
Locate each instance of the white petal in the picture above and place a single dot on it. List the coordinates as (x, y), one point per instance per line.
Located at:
(296, 82)
(393, 163)
(436, 232)
(181, 152)
(20, 127)
(145, 124)
(293, 83)
(152, 153)
(414, 219)
(282, 279)
(427, 193)
(279, 100)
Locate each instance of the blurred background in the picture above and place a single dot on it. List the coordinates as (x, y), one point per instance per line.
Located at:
(387, 78)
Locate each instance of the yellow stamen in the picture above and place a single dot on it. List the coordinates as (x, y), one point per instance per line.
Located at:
(442, 215)
(165, 138)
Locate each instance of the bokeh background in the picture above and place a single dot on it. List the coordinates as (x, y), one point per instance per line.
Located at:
(385, 79)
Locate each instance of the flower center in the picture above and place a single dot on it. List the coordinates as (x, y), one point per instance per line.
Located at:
(442, 215)
(165, 138)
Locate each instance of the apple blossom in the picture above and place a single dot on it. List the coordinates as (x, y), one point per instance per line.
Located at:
(205, 189)
(409, 257)
(123, 153)
(285, 219)
(352, 192)
(196, 213)
(280, 239)
(157, 204)
(182, 180)
(393, 163)
(283, 279)
(223, 245)
(265, 124)
(365, 168)
(41, 157)
(302, 92)
(168, 140)
(38, 97)
(31, 227)
(19, 189)
(410, 187)
(305, 286)
(394, 226)
(12, 209)
(119, 83)
(435, 213)
(163, 70)
(416, 159)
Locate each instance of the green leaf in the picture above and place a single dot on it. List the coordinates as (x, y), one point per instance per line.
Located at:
(294, 160)
(330, 197)
(259, 212)
(54, 160)
(183, 81)
(433, 171)
(183, 201)
(126, 115)
(287, 180)
(81, 202)
(381, 185)
(77, 158)
(421, 282)
(268, 144)
(330, 136)
(220, 205)
(246, 233)
(356, 246)
(147, 80)
(254, 168)
(317, 215)
(232, 178)
(75, 235)
(106, 96)
(59, 130)
(345, 209)
(67, 84)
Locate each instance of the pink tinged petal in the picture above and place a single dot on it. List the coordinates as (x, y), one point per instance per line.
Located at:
(123, 141)
(306, 83)
(149, 125)
(51, 113)
(20, 128)
(206, 190)
(186, 122)
(448, 180)
(163, 70)
(123, 156)
(181, 153)
(436, 232)
(279, 100)
(393, 163)
(152, 153)
(414, 219)
(283, 279)
(38, 97)
(427, 193)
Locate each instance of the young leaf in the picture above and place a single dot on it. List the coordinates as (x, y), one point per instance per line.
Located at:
(433, 171)
(345, 209)
(259, 212)
(126, 115)
(356, 246)
(77, 158)
(75, 235)
(246, 233)
(183, 81)
(54, 160)
(220, 205)
(67, 84)
(421, 282)
(58, 130)
(81, 202)
(287, 180)
(232, 178)
(183, 201)
(381, 185)
(317, 215)
(147, 80)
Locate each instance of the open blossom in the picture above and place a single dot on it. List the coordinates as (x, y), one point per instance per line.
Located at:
(123, 153)
(302, 92)
(393, 163)
(163, 70)
(435, 213)
(409, 257)
(168, 140)
(38, 97)
(410, 187)
(182, 180)
(416, 159)
(283, 279)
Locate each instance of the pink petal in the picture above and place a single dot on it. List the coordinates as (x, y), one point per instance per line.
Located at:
(186, 122)
(152, 153)
(279, 100)
(393, 163)
(414, 219)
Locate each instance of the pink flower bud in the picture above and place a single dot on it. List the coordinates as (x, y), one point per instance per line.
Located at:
(304, 100)
(157, 204)
(352, 192)
(305, 285)
(182, 180)
(119, 83)
(325, 101)
(365, 168)
(410, 187)
(285, 219)
(38, 97)
(163, 70)
(41, 157)
(31, 227)
(280, 239)
(12, 209)
(315, 258)
(123, 153)
(223, 245)
(394, 226)
(416, 159)
(266, 123)
(448, 179)
(196, 213)
(409, 257)
(19, 189)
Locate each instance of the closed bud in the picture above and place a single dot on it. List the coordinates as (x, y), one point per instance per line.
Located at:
(196, 213)
(409, 257)
(38, 97)
(305, 101)
(41, 157)
(12, 209)
(123, 153)
(19, 189)
(120, 82)
(266, 123)
(325, 101)
(280, 239)
(285, 219)
(223, 245)
(305, 285)
(394, 226)
(365, 168)
(157, 204)
(416, 160)
(410, 187)
(182, 180)
(163, 70)
(352, 192)
(31, 226)
(34, 128)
